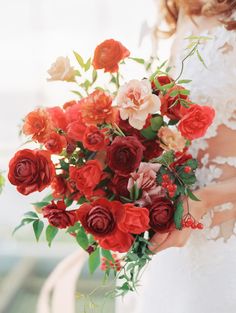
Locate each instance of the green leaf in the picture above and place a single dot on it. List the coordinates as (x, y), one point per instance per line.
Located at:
(107, 254)
(51, 232)
(192, 195)
(166, 158)
(77, 93)
(184, 81)
(87, 65)
(40, 205)
(24, 222)
(68, 202)
(138, 60)
(79, 59)
(38, 228)
(174, 93)
(184, 92)
(148, 133)
(173, 122)
(193, 163)
(168, 86)
(64, 165)
(94, 260)
(82, 238)
(48, 198)
(94, 76)
(178, 215)
(201, 59)
(31, 215)
(156, 123)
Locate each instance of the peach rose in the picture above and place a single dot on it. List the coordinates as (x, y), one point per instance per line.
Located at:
(62, 70)
(171, 140)
(135, 101)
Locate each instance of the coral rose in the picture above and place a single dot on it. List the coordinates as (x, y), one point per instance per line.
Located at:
(62, 70)
(171, 140)
(135, 220)
(55, 143)
(94, 139)
(124, 155)
(58, 216)
(97, 109)
(108, 54)
(161, 214)
(171, 106)
(87, 177)
(31, 170)
(75, 131)
(37, 124)
(196, 122)
(135, 102)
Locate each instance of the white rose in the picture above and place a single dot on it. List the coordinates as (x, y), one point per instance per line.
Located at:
(62, 70)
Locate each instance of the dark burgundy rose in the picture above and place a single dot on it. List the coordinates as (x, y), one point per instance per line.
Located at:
(171, 106)
(124, 155)
(31, 170)
(163, 80)
(100, 218)
(128, 129)
(58, 216)
(119, 186)
(152, 149)
(161, 214)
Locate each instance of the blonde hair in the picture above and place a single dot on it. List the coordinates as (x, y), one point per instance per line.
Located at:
(223, 8)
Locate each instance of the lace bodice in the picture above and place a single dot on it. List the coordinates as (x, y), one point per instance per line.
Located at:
(215, 86)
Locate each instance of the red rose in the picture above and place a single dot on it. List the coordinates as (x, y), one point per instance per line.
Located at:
(87, 177)
(59, 186)
(162, 80)
(73, 111)
(127, 128)
(75, 130)
(161, 214)
(55, 143)
(58, 117)
(124, 155)
(31, 170)
(119, 242)
(94, 139)
(152, 149)
(58, 216)
(108, 54)
(135, 220)
(196, 122)
(171, 106)
(100, 218)
(119, 186)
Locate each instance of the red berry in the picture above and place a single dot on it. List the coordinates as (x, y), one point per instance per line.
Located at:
(165, 177)
(170, 187)
(200, 226)
(187, 169)
(164, 184)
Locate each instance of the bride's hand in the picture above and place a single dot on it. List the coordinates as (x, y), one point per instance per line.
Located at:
(176, 238)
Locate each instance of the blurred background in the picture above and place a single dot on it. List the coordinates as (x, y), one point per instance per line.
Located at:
(32, 35)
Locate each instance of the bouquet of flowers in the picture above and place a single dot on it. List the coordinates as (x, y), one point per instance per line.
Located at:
(116, 160)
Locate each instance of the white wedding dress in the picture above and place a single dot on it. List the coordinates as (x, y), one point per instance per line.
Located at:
(201, 277)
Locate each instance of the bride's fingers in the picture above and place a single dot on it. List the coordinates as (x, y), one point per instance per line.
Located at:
(157, 240)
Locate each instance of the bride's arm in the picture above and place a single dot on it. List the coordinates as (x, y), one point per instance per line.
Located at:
(211, 196)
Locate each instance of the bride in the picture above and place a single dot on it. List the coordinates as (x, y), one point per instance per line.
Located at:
(198, 273)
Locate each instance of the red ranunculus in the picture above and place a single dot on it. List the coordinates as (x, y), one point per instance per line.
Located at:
(196, 122)
(100, 218)
(135, 220)
(119, 185)
(59, 186)
(87, 177)
(55, 143)
(124, 155)
(162, 80)
(108, 54)
(161, 214)
(75, 131)
(58, 117)
(94, 139)
(171, 106)
(152, 149)
(31, 170)
(119, 242)
(58, 216)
